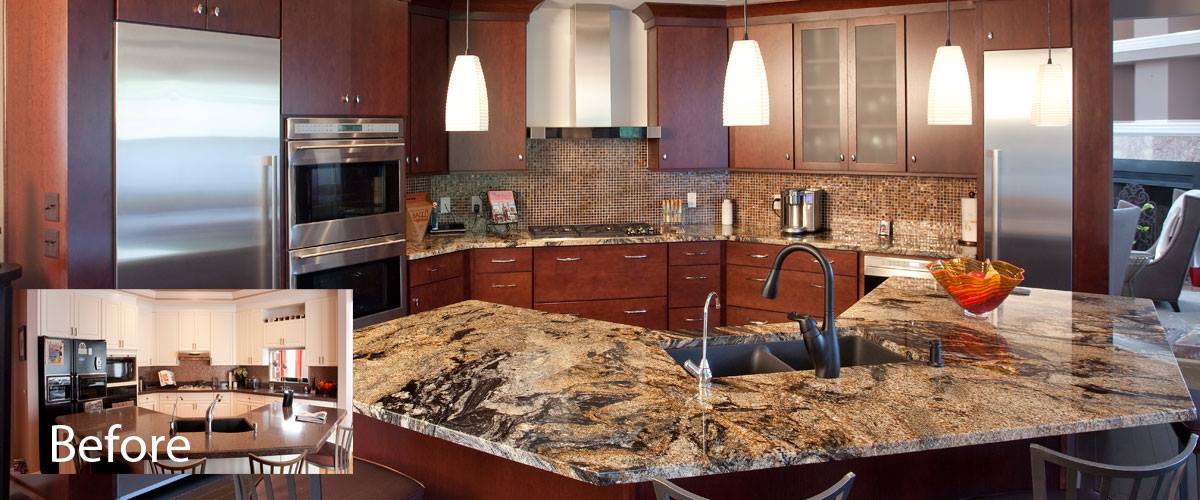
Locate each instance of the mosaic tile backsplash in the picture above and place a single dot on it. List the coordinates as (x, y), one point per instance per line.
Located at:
(606, 180)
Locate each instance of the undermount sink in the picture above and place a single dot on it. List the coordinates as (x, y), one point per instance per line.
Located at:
(218, 425)
(770, 357)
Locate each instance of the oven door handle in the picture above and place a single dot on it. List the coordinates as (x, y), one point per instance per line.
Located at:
(344, 250)
(351, 146)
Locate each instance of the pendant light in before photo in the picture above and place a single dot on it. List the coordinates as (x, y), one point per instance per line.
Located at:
(949, 99)
(1051, 91)
(466, 96)
(745, 101)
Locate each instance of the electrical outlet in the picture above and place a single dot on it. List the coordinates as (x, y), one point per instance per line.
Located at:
(444, 205)
(476, 205)
(691, 197)
(777, 202)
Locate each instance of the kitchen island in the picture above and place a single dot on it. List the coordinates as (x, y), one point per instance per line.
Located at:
(604, 404)
(279, 433)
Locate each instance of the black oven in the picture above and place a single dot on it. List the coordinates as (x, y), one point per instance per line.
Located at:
(90, 387)
(345, 179)
(121, 397)
(122, 369)
(373, 269)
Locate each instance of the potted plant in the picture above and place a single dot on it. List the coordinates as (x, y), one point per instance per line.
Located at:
(240, 373)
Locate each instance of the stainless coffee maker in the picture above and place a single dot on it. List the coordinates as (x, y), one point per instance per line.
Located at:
(801, 211)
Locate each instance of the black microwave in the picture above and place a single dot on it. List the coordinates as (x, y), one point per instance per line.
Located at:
(122, 369)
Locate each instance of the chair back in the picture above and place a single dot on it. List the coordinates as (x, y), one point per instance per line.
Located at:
(344, 440)
(192, 467)
(260, 465)
(246, 487)
(666, 490)
(1154, 482)
(1162, 278)
(839, 491)
(1120, 244)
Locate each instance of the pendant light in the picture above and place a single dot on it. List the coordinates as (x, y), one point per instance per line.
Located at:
(1051, 91)
(466, 96)
(949, 99)
(745, 102)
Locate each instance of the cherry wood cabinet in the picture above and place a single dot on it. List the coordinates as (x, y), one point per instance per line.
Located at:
(762, 255)
(820, 106)
(513, 289)
(692, 318)
(1021, 24)
(501, 260)
(648, 312)
(686, 68)
(429, 55)
(437, 294)
(690, 285)
(768, 147)
(563, 274)
(943, 149)
(735, 315)
(876, 94)
(436, 268)
(798, 291)
(500, 45)
(247, 17)
(693, 253)
(343, 61)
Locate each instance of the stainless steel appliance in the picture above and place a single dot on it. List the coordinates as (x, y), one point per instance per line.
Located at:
(74, 377)
(878, 268)
(1027, 172)
(593, 230)
(122, 370)
(373, 268)
(345, 179)
(801, 211)
(197, 142)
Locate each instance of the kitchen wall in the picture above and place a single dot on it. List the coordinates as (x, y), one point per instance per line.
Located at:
(606, 180)
(201, 371)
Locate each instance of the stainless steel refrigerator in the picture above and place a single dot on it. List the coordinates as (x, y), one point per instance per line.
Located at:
(1027, 172)
(197, 146)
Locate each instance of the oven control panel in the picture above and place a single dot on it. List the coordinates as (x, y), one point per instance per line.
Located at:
(347, 128)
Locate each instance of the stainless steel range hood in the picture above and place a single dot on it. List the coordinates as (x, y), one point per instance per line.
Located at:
(586, 73)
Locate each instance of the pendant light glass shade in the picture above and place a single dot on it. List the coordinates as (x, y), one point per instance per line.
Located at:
(949, 101)
(1051, 97)
(746, 101)
(466, 97)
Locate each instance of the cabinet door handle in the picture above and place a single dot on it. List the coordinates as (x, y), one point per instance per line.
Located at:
(854, 158)
(520, 157)
(817, 285)
(757, 255)
(691, 320)
(418, 160)
(787, 156)
(757, 323)
(199, 9)
(507, 285)
(695, 277)
(357, 99)
(216, 11)
(636, 256)
(914, 158)
(567, 259)
(841, 157)
(636, 311)
(695, 254)
(760, 280)
(346, 98)
(503, 261)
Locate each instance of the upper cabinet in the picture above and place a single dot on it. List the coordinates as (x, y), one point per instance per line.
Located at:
(147, 342)
(822, 141)
(344, 61)
(686, 73)
(1021, 24)
(427, 137)
(249, 332)
(877, 99)
(768, 147)
(943, 149)
(247, 17)
(223, 328)
(500, 45)
(64, 313)
(320, 338)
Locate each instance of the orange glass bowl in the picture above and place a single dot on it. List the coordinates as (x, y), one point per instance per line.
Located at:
(977, 287)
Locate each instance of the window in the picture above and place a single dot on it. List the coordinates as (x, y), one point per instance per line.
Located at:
(287, 365)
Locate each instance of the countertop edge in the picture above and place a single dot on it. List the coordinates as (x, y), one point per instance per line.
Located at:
(307, 397)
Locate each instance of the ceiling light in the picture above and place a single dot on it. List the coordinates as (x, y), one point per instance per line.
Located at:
(746, 101)
(466, 96)
(1051, 91)
(949, 99)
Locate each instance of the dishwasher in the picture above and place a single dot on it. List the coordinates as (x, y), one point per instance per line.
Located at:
(878, 268)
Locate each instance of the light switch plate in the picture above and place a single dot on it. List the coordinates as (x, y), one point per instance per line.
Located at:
(691, 200)
(444, 204)
(50, 207)
(50, 243)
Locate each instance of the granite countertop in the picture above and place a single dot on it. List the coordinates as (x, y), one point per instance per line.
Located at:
(603, 403)
(838, 240)
(261, 392)
(278, 431)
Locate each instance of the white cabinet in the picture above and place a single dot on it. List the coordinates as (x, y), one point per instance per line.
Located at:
(250, 337)
(119, 325)
(320, 337)
(243, 402)
(146, 340)
(222, 328)
(166, 338)
(65, 313)
(195, 330)
(148, 401)
(288, 333)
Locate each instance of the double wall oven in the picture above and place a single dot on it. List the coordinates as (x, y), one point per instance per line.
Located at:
(345, 211)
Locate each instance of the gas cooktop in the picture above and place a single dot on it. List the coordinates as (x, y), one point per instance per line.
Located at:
(593, 230)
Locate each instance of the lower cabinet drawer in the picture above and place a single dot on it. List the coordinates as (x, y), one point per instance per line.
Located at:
(647, 313)
(737, 316)
(513, 289)
(436, 268)
(689, 285)
(798, 291)
(692, 318)
(434, 295)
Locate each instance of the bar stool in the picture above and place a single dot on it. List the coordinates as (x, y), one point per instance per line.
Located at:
(666, 490)
(192, 467)
(334, 457)
(260, 465)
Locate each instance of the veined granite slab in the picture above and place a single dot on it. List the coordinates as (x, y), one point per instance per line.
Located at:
(853, 241)
(603, 403)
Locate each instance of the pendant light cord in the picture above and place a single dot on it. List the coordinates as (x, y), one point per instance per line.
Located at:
(467, 28)
(746, 20)
(1049, 41)
(947, 23)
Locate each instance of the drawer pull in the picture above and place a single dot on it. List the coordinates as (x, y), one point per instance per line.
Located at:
(499, 285)
(691, 320)
(757, 255)
(757, 323)
(434, 269)
(760, 280)
(695, 254)
(636, 256)
(817, 285)
(636, 311)
(566, 259)
(503, 261)
(695, 277)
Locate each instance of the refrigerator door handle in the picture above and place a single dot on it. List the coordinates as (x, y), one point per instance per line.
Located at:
(274, 212)
(993, 181)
